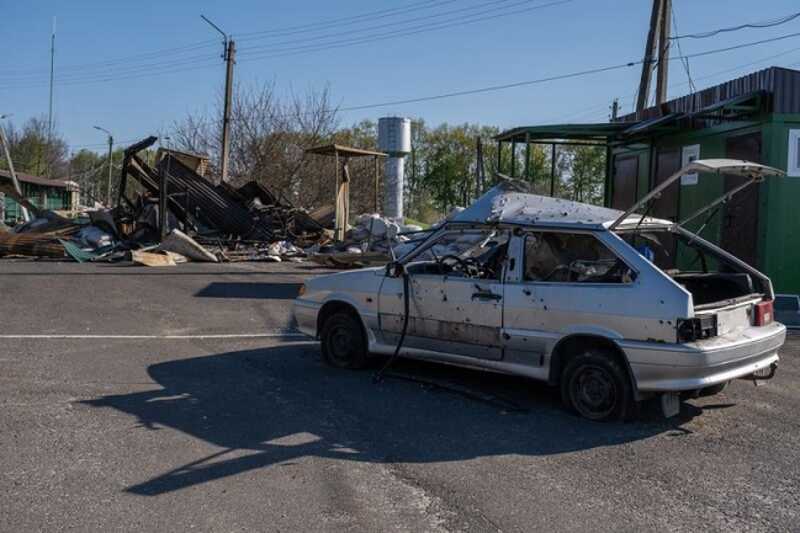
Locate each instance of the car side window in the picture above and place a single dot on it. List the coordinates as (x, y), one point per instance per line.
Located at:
(572, 258)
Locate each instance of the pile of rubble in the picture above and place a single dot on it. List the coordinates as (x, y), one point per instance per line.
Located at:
(204, 222)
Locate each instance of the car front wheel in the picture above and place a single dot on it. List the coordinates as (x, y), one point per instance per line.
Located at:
(596, 386)
(343, 342)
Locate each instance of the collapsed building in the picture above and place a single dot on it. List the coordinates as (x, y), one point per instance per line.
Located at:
(167, 206)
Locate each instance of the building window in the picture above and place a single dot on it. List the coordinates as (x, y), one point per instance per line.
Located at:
(793, 167)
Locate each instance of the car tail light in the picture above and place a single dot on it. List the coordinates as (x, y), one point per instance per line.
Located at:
(764, 314)
(698, 328)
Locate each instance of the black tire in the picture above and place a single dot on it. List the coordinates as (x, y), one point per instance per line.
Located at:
(343, 342)
(595, 385)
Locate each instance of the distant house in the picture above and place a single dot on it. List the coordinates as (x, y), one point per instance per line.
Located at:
(42, 192)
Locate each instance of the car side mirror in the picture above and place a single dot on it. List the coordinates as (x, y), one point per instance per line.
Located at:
(395, 269)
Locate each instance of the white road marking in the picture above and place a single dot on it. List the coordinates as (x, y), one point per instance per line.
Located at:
(288, 334)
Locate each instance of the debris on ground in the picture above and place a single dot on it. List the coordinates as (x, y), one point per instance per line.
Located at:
(205, 222)
(156, 259)
(180, 243)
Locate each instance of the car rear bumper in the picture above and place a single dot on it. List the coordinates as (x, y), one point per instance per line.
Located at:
(692, 366)
(305, 315)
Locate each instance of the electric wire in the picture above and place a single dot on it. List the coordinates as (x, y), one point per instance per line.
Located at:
(132, 62)
(202, 62)
(214, 42)
(126, 60)
(632, 97)
(753, 25)
(144, 68)
(345, 21)
(685, 62)
(581, 73)
(459, 21)
(393, 24)
(562, 76)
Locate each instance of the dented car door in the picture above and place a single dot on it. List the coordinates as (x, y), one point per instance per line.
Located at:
(568, 282)
(458, 313)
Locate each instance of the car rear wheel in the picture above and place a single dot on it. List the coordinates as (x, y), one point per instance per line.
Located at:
(343, 342)
(595, 385)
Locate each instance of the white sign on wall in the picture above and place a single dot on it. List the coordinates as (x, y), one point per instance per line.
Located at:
(689, 154)
(793, 166)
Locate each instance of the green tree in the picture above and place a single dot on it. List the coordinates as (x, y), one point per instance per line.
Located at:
(585, 181)
(34, 151)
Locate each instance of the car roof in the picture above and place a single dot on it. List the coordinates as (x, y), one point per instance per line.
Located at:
(508, 202)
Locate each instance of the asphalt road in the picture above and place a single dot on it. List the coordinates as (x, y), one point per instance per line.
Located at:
(129, 417)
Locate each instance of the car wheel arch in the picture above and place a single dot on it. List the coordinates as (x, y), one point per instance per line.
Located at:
(332, 307)
(576, 344)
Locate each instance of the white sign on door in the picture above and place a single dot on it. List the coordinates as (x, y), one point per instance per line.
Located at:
(689, 154)
(793, 166)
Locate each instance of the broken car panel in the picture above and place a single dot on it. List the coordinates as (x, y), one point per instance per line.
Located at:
(589, 298)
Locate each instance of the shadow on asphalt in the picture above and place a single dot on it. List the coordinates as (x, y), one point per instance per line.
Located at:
(274, 405)
(253, 290)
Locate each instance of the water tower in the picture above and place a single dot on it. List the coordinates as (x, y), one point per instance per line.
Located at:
(394, 138)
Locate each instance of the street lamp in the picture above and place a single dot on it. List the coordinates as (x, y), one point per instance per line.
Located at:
(110, 161)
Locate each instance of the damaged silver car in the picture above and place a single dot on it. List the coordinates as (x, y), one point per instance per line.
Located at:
(611, 307)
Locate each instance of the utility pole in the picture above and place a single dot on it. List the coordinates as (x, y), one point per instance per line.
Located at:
(110, 162)
(647, 62)
(25, 216)
(615, 110)
(478, 166)
(663, 51)
(50, 113)
(229, 54)
(163, 194)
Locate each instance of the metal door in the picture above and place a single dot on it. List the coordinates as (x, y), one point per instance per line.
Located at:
(667, 206)
(667, 163)
(626, 174)
(740, 216)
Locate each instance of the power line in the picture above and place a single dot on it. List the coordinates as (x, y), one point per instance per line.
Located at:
(753, 25)
(684, 62)
(345, 21)
(132, 69)
(632, 97)
(494, 88)
(459, 21)
(104, 144)
(123, 70)
(559, 77)
(210, 43)
(128, 59)
(393, 24)
(201, 62)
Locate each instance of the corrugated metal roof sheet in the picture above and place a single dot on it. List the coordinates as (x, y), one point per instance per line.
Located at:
(782, 84)
(37, 180)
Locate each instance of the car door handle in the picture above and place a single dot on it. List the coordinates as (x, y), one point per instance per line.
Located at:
(484, 294)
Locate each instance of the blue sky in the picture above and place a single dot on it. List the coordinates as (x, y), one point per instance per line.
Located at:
(530, 44)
